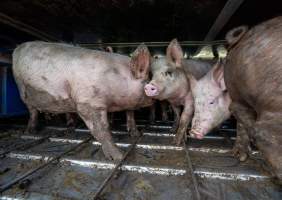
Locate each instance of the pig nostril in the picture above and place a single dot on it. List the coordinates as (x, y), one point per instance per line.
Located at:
(151, 90)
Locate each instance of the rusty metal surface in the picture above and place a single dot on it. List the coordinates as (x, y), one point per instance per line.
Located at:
(156, 169)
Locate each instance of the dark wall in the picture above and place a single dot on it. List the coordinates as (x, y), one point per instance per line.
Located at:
(131, 20)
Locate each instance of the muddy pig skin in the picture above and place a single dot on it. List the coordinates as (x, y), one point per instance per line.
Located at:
(71, 118)
(130, 119)
(169, 82)
(253, 76)
(61, 78)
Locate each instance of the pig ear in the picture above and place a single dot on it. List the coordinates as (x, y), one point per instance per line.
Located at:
(174, 53)
(140, 62)
(217, 74)
(192, 80)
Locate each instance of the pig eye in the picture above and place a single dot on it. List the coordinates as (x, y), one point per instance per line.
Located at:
(168, 73)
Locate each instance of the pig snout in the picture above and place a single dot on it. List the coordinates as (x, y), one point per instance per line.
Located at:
(151, 90)
(196, 134)
(196, 131)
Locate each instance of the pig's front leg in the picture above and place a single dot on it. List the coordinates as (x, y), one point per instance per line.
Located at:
(131, 125)
(184, 121)
(164, 111)
(152, 113)
(97, 121)
(47, 117)
(71, 122)
(176, 111)
(111, 118)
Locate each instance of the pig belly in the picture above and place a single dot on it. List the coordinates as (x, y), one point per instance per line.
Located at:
(46, 101)
(123, 103)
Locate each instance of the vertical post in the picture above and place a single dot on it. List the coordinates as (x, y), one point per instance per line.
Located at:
(225, 14)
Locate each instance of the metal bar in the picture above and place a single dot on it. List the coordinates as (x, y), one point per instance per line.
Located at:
(108, 179)
(32, 171)
(226, 13)
(191, 170)
(152, 44)
(4, 135)
(125, 132)
(143, 146)
(208, 173)
(26, 28)
(25, 145)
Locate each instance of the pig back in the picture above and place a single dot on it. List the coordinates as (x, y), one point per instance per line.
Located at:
(55, 77)
(197, 68)
(253, 70)
(51, 76)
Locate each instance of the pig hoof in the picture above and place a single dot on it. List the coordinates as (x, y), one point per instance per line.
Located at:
(117, 156)
(241, 155)
(173, 130)
(112, 153)
(30, 131)
(177, 141)
(278, 179)
(70, 130)
(165, 118)
(134, 133)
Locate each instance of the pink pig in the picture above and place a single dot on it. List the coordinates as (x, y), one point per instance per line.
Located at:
(211, 101)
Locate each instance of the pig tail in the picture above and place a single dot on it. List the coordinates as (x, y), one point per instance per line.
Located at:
(235, 35)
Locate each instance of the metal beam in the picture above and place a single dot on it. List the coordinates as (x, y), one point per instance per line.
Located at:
(226, 13)
(151, 44)
(26, 28)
